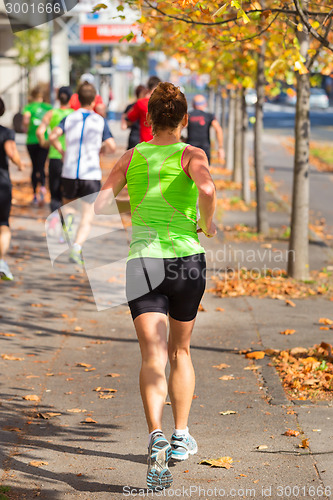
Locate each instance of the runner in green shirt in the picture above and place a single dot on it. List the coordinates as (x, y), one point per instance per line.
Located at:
(32, 117)
(165, 276)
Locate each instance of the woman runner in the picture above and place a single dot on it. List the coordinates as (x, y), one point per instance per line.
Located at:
(166, 267)
(7, 150)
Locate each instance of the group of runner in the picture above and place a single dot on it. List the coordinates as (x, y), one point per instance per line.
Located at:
(166, 179)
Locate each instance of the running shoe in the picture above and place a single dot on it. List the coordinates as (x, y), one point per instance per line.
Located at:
(76, 256)
(35, 201)
(42, 193)
(182, 447)
(159, 453)
(68, 226)
(5, 273)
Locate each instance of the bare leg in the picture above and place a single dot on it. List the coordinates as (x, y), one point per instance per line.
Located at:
(151, 329)
(87, 216)
(182, 377)
(5, 236)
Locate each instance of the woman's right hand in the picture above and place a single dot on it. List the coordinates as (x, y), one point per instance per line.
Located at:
(207, 231)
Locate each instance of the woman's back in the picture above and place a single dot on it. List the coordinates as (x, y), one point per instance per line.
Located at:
(163, 203)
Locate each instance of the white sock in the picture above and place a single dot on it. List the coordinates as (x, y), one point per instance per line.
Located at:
(77, 247)
(181, 432)
(150, 435)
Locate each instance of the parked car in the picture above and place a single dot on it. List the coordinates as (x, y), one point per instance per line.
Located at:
(251, 97)
(318, 98)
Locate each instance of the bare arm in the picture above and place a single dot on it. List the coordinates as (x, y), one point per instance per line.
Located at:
(42, 129)
(198, 170)
(112, 186)
(54, 140)
(101, 109)
(108, 146)
(219, 135)
(13, 154)
(26, 121)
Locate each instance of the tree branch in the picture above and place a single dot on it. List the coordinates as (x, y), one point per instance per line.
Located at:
(311, 30)
(218, 23)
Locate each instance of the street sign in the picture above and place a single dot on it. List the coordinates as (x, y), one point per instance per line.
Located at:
(107, 33)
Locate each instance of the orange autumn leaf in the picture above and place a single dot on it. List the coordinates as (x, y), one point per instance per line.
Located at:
(288, 332)
(291, 432)
(219, 309)
(38, 463)
(325, 321)
(221, 366)
(9, 357)
(224, 462)
(201, 308)
(31, 397)
(290, 303)
(324, 328)
(255, 355)
(304, 444)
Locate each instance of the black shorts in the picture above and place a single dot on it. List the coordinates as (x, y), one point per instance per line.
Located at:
(72, 189)
(5, 197)
(173, 286)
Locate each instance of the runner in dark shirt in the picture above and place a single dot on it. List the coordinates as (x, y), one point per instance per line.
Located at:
(134, 137)
(199, 125)
(7, 150)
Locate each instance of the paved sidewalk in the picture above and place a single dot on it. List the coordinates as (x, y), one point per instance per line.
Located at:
(57, 330)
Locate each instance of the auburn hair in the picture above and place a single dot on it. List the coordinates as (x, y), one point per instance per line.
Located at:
(167, 107)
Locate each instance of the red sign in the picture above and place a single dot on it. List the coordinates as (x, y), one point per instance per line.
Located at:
(106, 33)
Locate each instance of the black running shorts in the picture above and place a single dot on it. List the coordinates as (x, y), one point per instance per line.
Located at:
(72, 189)
(5, 197)
(173, 286)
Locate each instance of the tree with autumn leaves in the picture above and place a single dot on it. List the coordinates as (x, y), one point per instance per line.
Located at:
(253, 44)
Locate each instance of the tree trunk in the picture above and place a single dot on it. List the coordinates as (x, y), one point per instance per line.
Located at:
(223, 114)
(238, 155)
(246, 192)
(259, 168)
(211, 100)
(298, 256)
(231, 131)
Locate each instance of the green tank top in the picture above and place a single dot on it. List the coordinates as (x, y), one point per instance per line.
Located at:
(57, 116)
(163, 202)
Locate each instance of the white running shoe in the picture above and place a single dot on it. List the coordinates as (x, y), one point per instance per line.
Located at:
(5, 273)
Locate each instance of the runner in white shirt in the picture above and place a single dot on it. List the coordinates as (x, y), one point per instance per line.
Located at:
(87, 134)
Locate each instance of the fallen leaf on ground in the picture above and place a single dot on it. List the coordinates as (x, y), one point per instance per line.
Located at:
(227, 377)
(113, 375)
(228, 412)
(252, 367)
(255, 355)
(324, 328)
(78, 329)
(290, 303)
(38, 463)
(288, 332)
(76, 410)
(291, 432)
(105, 396)
(272, 352)
(89, 420)
(104, 389)
(11, 429)
(201, 308)
(304, 444)
(262, 447)
(83, 365)
(325, 321)
(224, 462)
(167, 403)
(221, 366)
(48, 415)
(37, 305)
(31, 397)
(219, 309)
(9, 357)
(316, 430)
(7, 334)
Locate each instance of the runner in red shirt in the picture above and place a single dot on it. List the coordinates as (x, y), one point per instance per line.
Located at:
(140, 109)
(74, 102)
